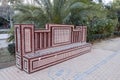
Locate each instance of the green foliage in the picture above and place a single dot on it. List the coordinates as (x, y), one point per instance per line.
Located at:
(100, 29)
(3, 21)
(81, 13)
(101, 20)
(45, 12)
(11, 48)
(117, 33)
(56, 11)
(114, 11)
(15, 1)
(103, 26)
(11, 35)
(30, 14)
(94, 37)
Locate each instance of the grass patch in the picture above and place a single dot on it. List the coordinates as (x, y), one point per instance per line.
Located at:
(5, 56)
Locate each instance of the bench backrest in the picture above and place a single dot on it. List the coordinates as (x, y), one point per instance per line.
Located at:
(28, 40)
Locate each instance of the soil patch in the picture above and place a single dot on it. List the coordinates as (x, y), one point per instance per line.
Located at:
(6, 60)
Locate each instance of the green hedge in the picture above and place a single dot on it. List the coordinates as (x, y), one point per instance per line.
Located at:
(11, 48)
(97, 37)
(117, 33)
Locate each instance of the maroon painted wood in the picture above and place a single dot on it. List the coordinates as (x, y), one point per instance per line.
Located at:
(38, 49)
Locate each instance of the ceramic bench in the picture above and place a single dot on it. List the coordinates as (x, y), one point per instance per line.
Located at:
(39, 49)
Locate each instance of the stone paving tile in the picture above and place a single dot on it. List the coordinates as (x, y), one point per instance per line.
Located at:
(110, 70)
(102, 63)
(112, 44)
(69, 70)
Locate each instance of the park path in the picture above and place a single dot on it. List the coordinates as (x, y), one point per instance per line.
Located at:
(3, 40)
(102, 63)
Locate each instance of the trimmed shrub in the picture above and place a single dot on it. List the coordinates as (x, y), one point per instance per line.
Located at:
(97, 37)
(11, 48)
(117, 33)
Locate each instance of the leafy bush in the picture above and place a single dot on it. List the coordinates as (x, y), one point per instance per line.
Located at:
(11, 35)
(11, 48)
(102, 26)
(100, 29)
(117, 33)
(97, 37)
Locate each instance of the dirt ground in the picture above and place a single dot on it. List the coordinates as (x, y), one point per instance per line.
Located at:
(6, 60)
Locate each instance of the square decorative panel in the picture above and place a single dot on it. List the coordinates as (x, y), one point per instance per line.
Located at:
(61, 35)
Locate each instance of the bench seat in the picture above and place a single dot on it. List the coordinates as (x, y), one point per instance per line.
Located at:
(53, 50)
(47, 57)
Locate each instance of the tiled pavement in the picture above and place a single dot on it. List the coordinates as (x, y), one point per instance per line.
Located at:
(102, 63)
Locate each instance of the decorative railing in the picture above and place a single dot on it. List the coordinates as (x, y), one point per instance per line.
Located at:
(42, 40)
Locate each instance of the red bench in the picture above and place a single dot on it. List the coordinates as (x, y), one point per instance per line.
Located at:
(38, 49)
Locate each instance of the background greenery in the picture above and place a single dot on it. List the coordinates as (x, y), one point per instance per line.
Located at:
(102, 20)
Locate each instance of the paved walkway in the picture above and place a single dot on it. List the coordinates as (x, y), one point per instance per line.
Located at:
(3, 40)
(102, 63)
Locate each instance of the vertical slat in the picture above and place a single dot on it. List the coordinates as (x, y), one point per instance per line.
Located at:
(74, 36)
(44, 39)
(85, 34)
(81, 35)
(40, 40)
(48, 39)
(71, 36)
(78, 36)
(51, 38)
(35, 41)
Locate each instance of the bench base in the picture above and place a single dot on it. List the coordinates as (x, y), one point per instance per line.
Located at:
(31, 65)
